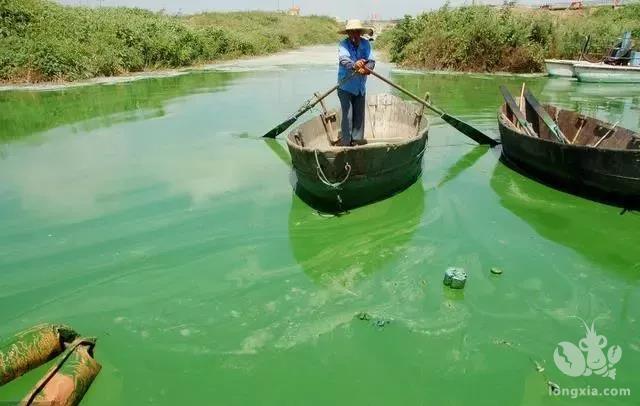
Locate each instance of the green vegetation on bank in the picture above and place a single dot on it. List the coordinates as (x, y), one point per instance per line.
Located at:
(42, 41)
(491, 39)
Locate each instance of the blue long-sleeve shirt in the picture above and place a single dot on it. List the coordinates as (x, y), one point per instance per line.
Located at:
(348, 55)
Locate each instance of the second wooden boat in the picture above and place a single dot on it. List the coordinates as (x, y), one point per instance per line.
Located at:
(389, 158)
(599, 159)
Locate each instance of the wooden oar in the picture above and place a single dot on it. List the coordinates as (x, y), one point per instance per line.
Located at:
(546, 118)
(515, 110)
(465, 128)
(308, 105)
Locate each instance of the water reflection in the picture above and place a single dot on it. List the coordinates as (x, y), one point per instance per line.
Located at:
(607, 89)
(600, 233)
(29, 112)
(465, 162)
(341, 250)
(610, 102)
(557, 86)
(279, 151)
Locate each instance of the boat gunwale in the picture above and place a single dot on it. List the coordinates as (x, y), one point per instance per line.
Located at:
(373, 145)
(561, 61)
(424, 133)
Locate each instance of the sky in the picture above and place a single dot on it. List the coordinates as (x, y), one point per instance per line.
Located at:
(342, 9)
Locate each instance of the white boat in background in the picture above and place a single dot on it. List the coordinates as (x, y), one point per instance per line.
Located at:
(600, 72)
(560, 67)
(621, 65)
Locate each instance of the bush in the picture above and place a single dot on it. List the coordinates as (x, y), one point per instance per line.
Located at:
(42, 40)
(489, 39)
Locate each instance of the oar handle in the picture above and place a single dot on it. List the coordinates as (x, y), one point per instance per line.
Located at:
(408, 93)
(308, 105)
(466, 129)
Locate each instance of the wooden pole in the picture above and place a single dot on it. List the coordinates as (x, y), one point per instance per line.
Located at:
(578, 132)
(606, 135)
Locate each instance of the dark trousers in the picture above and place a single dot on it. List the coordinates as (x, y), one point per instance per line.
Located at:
(352, 116)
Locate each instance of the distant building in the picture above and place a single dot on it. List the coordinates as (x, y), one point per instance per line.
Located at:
(294, 11)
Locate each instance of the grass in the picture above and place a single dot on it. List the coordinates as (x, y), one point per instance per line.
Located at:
(43, 41)
(490, 39)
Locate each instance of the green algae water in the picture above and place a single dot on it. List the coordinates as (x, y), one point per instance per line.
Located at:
(150, 214)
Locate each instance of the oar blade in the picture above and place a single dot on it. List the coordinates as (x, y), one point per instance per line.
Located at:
(280, 128)
(470, 131)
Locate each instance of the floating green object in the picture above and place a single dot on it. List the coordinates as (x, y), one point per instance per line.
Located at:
(496, 271)
(31, 348)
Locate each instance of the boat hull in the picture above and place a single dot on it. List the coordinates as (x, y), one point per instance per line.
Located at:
(602, 73)
(604, 174)
(332, 177)
(377, 172)
(560, 67)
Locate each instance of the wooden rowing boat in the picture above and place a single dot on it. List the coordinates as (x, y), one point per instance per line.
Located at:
(389, 158)
(598, 159)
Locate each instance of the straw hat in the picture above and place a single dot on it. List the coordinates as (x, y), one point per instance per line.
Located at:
(356, 25)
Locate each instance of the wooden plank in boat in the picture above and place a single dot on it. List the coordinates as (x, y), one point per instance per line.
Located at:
(534, 108)
(514, 111)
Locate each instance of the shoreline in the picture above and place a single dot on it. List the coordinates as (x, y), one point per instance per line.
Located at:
(222, 64)
(311, 54)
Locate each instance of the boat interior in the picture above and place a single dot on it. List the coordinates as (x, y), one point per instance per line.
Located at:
(388, 119)
(620, 54)
(579, 129)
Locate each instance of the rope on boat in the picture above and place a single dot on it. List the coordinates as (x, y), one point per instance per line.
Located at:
(323, 178)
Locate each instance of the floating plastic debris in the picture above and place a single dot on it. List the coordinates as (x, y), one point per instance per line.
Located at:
(380, 323)
(376, 322)
(363, 316)
(448, 276)
(496, 271)
(455, 278)
(503, 342)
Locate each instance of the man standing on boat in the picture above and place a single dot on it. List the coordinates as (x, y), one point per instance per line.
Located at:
(354, 53)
